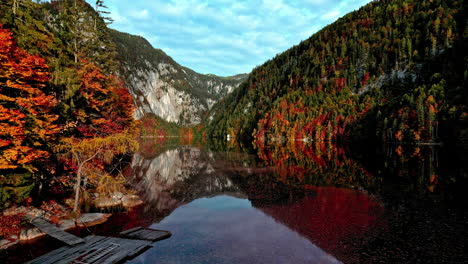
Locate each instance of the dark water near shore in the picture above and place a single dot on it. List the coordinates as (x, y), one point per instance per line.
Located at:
(298, 204)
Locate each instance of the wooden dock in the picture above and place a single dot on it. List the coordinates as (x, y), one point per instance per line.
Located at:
(56, 232)
(143, 233)
(94, 250)
(97, 249)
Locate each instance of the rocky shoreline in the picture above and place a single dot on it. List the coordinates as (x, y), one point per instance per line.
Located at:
(66, 223)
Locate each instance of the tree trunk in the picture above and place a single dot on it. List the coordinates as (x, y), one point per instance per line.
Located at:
(75, 53)
(78, 178)
(15, 6)
(77, 189)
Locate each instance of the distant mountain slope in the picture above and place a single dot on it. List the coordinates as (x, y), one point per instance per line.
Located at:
(161, 86)
(392, 71)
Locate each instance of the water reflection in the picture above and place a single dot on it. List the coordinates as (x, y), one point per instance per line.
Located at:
(258, 212)
(178, 176)
(336, 219)
(317, 163)
(225, 229)
(297, 203)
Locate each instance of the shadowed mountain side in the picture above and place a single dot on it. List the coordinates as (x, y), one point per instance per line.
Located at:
(392, 71)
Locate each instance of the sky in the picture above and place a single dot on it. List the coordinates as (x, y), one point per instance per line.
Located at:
(225, 37)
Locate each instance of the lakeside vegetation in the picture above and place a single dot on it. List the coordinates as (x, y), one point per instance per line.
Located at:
(66, 117)
(393, 71)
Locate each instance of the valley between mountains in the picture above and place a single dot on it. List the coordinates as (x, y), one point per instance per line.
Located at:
(371, 111)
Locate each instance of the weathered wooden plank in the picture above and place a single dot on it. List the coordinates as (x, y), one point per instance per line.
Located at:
(146, 234)
(122, 255)
(139, 249)
(140, 233)
(96, 249)
(158, 235)
(41, 259)
(66, 252)
(131, 230)
(63, 252)
(56, 232)
(96, 255)
(128, 248)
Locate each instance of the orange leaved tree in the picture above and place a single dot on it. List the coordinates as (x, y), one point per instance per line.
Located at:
(105, 105)
(27, 121)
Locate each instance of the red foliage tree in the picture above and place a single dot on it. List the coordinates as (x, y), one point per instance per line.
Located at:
(26, 112)
(105, 104)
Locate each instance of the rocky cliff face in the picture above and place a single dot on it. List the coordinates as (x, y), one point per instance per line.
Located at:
(161, 86)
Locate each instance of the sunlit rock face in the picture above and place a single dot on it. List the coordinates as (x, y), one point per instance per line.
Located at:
(178, 176)
(161, 86)
(154, 94)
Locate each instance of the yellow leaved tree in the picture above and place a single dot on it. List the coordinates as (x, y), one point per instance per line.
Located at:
(90, 155)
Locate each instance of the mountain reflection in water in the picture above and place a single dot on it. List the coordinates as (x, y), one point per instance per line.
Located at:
(294, 203)
(234, 208)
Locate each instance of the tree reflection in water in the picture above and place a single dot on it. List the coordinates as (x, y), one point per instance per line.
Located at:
(310, 192)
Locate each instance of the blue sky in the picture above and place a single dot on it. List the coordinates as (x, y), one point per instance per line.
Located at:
(225, 37)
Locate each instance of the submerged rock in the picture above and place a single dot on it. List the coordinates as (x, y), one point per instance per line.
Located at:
(67, 224)
(32, 233)
(5, 243)
(91, 219)
(117, 199)
(102, 202)
(131, 201)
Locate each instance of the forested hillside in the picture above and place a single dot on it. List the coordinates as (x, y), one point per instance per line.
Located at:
(393, 71)
(65, 114)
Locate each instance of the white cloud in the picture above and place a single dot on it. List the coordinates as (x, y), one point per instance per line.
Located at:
(226, 37)
(332, 15)
(139, 14)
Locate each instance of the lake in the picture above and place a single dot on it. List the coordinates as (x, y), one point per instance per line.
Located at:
(298, 203)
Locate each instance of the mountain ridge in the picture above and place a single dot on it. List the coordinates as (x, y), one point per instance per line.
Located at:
(390, 71)
(163, 87)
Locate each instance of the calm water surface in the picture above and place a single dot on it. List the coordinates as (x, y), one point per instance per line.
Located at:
(298, 204)
(303, 204)
(225, 229)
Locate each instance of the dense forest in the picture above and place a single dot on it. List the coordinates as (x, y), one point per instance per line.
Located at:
(392, 71)
(65, 113)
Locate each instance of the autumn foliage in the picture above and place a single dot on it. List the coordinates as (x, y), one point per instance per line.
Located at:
(10, 224)
(27, 120)
(105, 104)
(317, 163)
(392, 71)
(41, 120)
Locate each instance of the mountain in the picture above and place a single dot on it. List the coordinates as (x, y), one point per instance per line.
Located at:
(161, 86)
(62, 83)
(392, 71)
